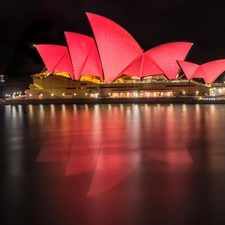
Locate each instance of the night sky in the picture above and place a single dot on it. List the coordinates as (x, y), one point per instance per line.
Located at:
(151, 22)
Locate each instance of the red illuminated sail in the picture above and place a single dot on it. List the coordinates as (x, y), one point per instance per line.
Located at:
(65, 65)
(117, 48)
(84, 55)
(55, 57)
(188, 68)
(143, 66)
(166, 56)
(211, 70)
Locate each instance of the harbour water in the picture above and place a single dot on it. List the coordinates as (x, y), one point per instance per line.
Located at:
(112, 164)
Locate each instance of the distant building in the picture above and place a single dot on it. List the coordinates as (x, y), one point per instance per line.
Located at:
(2, 78)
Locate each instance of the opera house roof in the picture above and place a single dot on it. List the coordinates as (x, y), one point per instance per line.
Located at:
(114, 52)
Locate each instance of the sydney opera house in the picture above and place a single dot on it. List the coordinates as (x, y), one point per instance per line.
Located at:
(113, 65)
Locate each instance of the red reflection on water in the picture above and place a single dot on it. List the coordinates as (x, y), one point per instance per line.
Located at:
(110, 170)
(84, 152)
(178, 155)
(110, 142)
(56, 147)
(168, 128)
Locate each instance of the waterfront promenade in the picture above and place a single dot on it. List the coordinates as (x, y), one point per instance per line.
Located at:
(94, 101)
(186, 100)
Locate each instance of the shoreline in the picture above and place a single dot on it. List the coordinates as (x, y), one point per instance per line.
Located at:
(160, 100)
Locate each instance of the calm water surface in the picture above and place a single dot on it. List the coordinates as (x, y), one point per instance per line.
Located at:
(112, 164)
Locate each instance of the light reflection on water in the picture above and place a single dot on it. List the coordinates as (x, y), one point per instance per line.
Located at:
(113, 164)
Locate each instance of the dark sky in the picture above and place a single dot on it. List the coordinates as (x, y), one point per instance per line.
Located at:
(151, 22)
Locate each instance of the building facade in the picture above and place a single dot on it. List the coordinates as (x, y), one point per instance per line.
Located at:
(54, 86)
